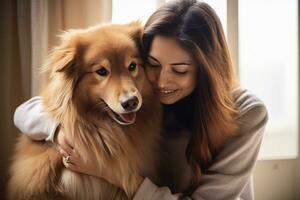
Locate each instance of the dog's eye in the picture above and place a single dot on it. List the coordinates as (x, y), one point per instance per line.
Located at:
(132, 66)
(102, 71)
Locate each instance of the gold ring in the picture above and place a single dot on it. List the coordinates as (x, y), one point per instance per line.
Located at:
(68, 159)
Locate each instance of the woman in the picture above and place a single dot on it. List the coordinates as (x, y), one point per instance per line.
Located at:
(212, 128)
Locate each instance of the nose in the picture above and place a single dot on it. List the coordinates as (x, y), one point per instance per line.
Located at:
(163, 78)
(130, 103)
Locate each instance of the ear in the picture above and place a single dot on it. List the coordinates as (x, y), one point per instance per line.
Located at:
(135, 30)
(62, 58)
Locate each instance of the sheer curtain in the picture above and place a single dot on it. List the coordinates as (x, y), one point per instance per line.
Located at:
(50, 17)
(29, 30)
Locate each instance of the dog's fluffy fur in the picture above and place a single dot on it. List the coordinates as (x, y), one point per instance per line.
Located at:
(83, 102)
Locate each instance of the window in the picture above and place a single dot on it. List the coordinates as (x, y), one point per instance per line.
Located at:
(268, 58)
(125, 11)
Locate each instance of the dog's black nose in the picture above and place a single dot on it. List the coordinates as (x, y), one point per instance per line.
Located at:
(130, 103)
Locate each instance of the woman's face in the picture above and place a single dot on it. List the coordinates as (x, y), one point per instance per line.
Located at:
(170, 69)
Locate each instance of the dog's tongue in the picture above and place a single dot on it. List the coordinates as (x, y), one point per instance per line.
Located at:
(128, 117)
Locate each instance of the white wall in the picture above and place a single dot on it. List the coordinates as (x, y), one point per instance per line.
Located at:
(277, 180)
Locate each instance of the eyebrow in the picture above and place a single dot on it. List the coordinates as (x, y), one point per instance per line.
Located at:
(153, 58)
(179, 63)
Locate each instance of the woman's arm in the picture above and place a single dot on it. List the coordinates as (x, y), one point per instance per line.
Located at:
(231, 170)
(31, 119)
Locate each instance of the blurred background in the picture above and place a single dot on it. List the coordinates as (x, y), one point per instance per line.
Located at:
(263, 36)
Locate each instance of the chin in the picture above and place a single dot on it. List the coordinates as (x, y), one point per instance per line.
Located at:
(174, 99)
(168, 101)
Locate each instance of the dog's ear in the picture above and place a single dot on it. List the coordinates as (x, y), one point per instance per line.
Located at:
(63, 57)
(135, 30)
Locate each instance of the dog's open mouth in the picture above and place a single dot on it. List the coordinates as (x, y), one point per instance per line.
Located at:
(123, 119)
(120, 118)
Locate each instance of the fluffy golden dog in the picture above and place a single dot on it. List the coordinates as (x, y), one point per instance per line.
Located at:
(99, 93)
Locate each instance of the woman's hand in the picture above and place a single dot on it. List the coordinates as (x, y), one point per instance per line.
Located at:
(73, 161)
(70, 157)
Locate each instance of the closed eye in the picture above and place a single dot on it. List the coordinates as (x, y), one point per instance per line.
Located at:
(179, 72)
(153, 65)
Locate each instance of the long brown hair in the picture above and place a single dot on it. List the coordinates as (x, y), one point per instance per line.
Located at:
(209, 112)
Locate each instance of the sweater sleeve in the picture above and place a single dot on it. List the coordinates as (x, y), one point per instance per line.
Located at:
(32, 120)
(231, 170)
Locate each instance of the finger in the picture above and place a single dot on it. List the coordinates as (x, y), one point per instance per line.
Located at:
(66, 147)
(75, 154)
(63, 141)
(62, 152)
(69, 164)
(68, 143)
(73, 167)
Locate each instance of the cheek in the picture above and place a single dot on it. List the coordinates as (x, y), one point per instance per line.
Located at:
(107, 92)
(90, 88)
(189, 83)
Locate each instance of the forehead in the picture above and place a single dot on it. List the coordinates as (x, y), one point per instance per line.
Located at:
(108, 45)
(166, 48)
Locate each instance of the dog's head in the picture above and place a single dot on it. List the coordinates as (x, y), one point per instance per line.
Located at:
(99, 69)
